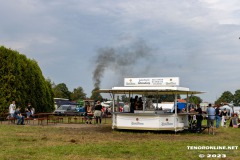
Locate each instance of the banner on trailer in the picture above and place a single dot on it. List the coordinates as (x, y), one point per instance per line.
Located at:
(158, 81)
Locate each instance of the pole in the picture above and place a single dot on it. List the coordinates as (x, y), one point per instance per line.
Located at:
(175, 114)
(187, 110)
(113, 114)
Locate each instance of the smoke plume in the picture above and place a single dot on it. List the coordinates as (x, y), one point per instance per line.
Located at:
(119, 60)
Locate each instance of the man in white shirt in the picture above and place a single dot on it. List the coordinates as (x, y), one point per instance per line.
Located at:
(126, 107)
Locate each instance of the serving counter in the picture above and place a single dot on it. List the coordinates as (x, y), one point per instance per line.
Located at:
(150, 121)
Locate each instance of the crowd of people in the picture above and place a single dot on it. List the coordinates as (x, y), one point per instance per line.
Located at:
(214, 113)
(97, 112)
(15, 112)
(135, 104)
(220, 116)
(216, 117)
(92, 112)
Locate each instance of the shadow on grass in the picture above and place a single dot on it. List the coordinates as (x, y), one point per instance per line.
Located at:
(150, 131)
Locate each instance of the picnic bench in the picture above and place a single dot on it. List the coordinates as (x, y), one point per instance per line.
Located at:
(11, 120)
(193, 127)
(28, 120)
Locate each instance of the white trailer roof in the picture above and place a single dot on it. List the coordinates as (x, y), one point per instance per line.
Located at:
(149, 90)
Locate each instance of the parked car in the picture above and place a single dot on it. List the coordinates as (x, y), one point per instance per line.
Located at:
(67, 110)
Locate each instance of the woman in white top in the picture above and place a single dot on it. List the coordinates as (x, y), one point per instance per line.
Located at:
(12, 108)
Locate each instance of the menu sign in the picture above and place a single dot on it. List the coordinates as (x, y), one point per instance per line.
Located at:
(158, 81)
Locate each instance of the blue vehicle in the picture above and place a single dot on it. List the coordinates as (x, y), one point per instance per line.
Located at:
(81, 110)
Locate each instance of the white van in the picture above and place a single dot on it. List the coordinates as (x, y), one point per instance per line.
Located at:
(106, 104)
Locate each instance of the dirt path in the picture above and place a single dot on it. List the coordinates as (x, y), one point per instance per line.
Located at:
(66, 125)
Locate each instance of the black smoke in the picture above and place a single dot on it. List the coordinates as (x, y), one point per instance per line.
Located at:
(121, 60)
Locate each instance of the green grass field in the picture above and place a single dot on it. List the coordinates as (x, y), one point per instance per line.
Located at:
(82, 141)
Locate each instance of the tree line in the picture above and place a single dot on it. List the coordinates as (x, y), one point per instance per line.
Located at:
(61, 91)
(21, 80)
(228, 97)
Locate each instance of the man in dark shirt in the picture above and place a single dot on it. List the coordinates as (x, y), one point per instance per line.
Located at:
(218, 116)
(19, 117)
(199, 118)
(98, 112)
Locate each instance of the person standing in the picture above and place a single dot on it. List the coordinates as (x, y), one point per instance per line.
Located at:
(199, 118)
(211, 116)
(132, 105)
(19, 117)
(140, 103)
(98, 112)
(88, 114)
(136, 103)
(109, 111)
(12, 109)
(126, 107)
(218, 116)
(224, 117)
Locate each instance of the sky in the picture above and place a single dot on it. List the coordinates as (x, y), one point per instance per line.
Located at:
(86, 42)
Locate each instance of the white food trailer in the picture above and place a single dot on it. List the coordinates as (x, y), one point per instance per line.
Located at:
(149, 118)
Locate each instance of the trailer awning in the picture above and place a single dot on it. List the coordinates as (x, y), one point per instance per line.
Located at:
(149, 90)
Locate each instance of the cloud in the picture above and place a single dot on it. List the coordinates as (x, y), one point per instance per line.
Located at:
(195, 40)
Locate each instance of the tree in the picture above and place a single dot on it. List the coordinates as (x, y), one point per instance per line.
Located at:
(78, 94)
(61, 91)
(195, 100)
(168, 98)
(22, 80)
(124, 98)
(96, 95)
(236, 98)
(226, 97)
